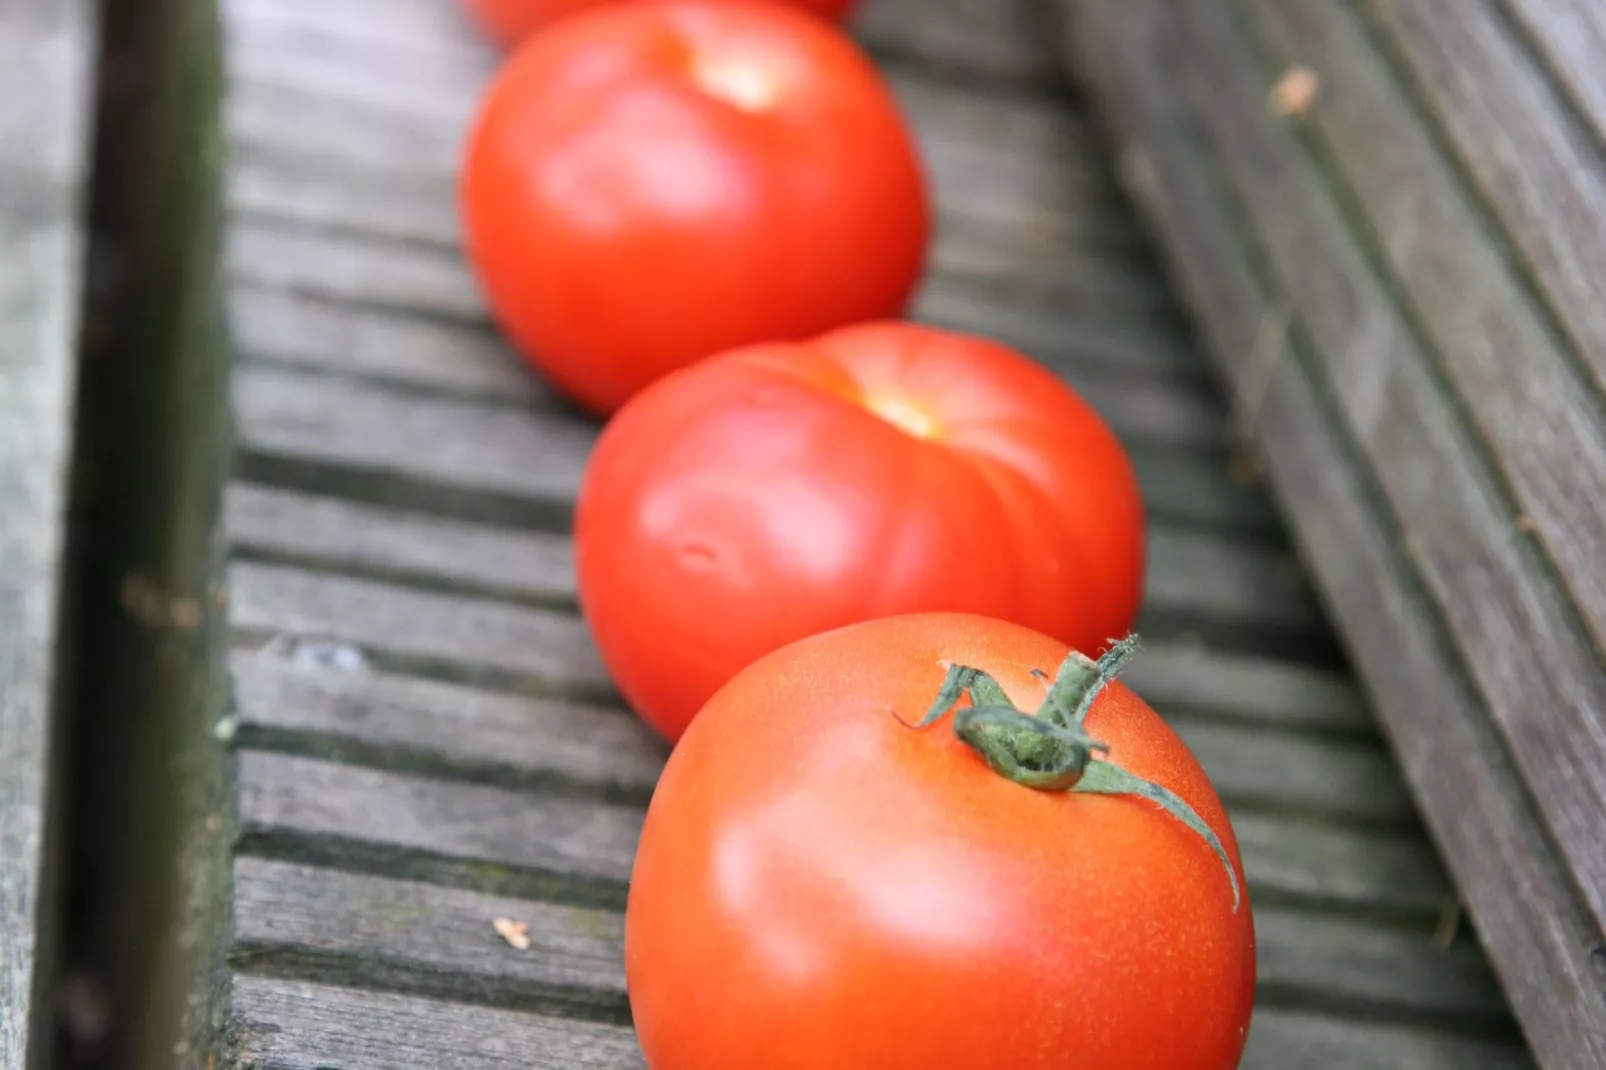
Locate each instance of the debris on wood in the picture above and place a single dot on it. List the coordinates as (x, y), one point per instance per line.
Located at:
(314, 653)
(1526, 525)
(1449, 923)
(148, 604)
(1294, 92)
(1244, 467)
(516, 933)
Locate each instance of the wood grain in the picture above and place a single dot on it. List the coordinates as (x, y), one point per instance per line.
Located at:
(285, 911)
(584, 839)
(427, 939)
(1209, 584)
(1476, 804)
(296, 1025)
(286, 798)
(427, 742)
(45, 77)
(472, 638)
(1495, 594)
(465, 731)
(1540, 419)
(458, 732)
(333, 534)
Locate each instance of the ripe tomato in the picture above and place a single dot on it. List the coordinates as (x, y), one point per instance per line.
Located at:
(510, 21)
(649, 183)
(785, 489)
(823, 883)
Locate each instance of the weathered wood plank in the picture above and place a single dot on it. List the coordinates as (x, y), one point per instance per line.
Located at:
(285, 798)
(588, 840)
(460, 727)
(472, 360)
(1000, 244)
(284, 913)
(1571, 37)
(296, 1025)
(1476, 805)
(1473, 303)
(368, 541)
(487, 447)
(1426, 459)
(1000, 39)
(1537, 169)
(424, 44)
(46, 48)
(433, 940)
(454, 636)
(1023, 142)
(453, 728)
(1186, 487)
(1496, 348)
(1175, 410)
(402, 722)
(377, 272)
(1291, 1039)
(1200, 580)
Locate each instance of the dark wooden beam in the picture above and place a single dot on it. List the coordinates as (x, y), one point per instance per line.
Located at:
(145, 876)
(1389, 220)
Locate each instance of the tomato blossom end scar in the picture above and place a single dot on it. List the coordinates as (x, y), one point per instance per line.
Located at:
(745, 86)
(908, 418)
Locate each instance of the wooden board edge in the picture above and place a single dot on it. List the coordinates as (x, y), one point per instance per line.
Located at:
(1550, 957)
(147, 875)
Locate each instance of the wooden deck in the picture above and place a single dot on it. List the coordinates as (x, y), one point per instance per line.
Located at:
(426, 741)
(1405, 275)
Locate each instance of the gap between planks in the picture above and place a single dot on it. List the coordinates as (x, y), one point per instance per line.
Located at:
(291, 920)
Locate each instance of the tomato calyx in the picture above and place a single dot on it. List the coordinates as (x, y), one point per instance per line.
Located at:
(1049, 749)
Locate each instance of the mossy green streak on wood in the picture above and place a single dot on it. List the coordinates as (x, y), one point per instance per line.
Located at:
(1049, 750)
(149, 870)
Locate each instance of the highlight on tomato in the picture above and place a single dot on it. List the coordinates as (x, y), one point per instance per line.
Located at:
(509, 22)
(652, 182)
(785, 489)
(937, 841)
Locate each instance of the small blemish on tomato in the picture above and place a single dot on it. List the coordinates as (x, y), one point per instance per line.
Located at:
(697, 557)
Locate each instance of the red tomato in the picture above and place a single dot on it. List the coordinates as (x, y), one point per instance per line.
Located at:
(649, 183)
(819, 884)
(785, 489)
(510, 21)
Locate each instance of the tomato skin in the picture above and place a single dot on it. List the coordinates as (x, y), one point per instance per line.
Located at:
(650, 183)
(757, 498)
(820, 885)
(509, 22)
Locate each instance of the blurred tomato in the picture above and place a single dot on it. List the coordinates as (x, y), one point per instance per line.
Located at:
(785, 489)
(511, 21)
(649, 183)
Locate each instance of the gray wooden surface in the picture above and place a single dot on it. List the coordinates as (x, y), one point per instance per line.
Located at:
(426, 740)
(1401, 282)
(46, 50)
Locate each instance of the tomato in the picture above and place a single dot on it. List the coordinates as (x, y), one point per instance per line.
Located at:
(785, 489)
(510, 21)
(649, 183)
(823, 883)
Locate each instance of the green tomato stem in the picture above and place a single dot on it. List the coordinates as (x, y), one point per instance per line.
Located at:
(1049, 750)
